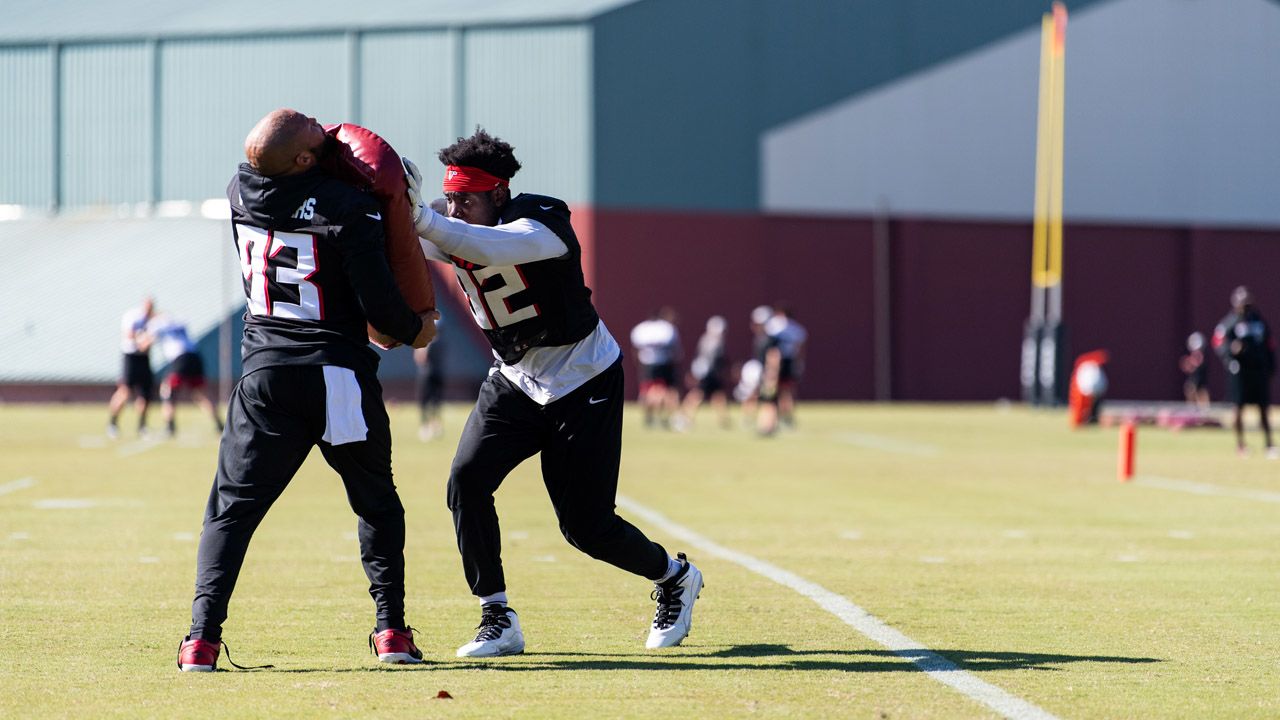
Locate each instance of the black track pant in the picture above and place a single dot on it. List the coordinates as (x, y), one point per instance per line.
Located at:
(275, 416)
(580, 438)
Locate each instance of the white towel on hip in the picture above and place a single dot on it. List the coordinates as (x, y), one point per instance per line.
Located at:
(344, 416)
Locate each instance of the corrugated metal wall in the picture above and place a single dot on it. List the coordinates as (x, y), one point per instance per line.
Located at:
(408, 86)
(532, 88)
(165, 120)
(26, 114)
(106, 123)
(213, 91)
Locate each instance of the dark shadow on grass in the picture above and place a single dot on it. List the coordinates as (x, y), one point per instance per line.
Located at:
(369, 669)
(768, 657)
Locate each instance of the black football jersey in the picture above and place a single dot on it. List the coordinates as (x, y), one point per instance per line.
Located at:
(536, 304)
(1256, 350)
(314, 265)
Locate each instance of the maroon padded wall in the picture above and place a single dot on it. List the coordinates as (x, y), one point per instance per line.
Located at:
(960, 299)
(1125, 292)
(960, 293)
(704, 265)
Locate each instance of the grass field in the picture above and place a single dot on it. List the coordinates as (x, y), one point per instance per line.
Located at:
(994, 537)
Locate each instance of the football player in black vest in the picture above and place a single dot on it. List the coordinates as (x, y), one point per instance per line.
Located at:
(556, 388)
(312, 256)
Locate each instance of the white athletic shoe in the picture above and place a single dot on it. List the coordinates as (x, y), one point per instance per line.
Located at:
(674, 616)
(499, 633)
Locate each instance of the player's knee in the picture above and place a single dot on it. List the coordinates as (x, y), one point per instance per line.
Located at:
(590, 534)
(469, 483)
(388, 505)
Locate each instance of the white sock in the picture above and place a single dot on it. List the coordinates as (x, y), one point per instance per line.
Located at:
(673, 567)
(498, 597)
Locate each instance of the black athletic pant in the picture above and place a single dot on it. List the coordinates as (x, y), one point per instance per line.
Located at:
(275, 416)
(580, 438)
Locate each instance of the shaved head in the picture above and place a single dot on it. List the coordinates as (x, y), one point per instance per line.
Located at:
(283, 142)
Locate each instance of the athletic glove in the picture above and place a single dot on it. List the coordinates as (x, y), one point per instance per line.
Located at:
(414, 179)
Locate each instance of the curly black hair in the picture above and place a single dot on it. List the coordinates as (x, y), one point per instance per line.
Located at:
(483, 151)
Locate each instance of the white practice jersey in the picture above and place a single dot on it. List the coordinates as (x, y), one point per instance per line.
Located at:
(544, 373)
(171, 335)
(656, 342)
(133, 323)
(789, 334)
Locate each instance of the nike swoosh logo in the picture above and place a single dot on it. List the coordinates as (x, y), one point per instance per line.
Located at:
(593, 401)
(375, 216)
(546, 207)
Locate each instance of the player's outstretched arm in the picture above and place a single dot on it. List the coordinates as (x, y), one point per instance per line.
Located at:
(522, 241)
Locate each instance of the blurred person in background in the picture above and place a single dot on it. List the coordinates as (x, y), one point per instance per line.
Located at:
(556, 389)
(186, 371)
(1196, 386)
(789, 337)
(316, 278)
(1243, 340)
(136, 379)
(750, 374)
(767, 396)
(707, 372)
(657, 345)
(430, 386)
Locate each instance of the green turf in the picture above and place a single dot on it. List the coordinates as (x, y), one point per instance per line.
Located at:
(995, 537)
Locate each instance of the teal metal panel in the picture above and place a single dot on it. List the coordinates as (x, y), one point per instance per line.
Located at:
(106, 118)
(685, 89)
(676, 103)
(43, 20)
(213, 91)
(26, 114)
(407, 89)
(532, 88)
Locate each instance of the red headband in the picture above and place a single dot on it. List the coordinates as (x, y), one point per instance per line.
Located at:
(462, 178)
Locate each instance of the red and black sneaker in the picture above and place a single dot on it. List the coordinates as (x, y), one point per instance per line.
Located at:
(198, 655)
(395, 646)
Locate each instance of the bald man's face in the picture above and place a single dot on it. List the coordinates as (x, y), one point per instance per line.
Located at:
(312, 139)
(285, 142)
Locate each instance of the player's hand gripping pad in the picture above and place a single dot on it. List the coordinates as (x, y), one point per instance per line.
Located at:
(369, 162)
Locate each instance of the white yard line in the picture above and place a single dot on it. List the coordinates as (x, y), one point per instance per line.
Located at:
(934, 665)
(884, 443)
(1199, 488)
(19, 484)
(137, 447)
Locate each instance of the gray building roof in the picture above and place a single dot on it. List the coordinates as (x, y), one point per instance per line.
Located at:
(37, 21)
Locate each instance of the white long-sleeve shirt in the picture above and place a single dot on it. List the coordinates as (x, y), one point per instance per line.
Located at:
(514, 243)
(547, 373)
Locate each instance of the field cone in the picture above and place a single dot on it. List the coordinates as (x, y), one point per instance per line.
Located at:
(1127, 438)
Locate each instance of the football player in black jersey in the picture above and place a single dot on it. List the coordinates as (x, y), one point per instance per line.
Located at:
(556, 388)
(1243, 340)
(312, 257)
